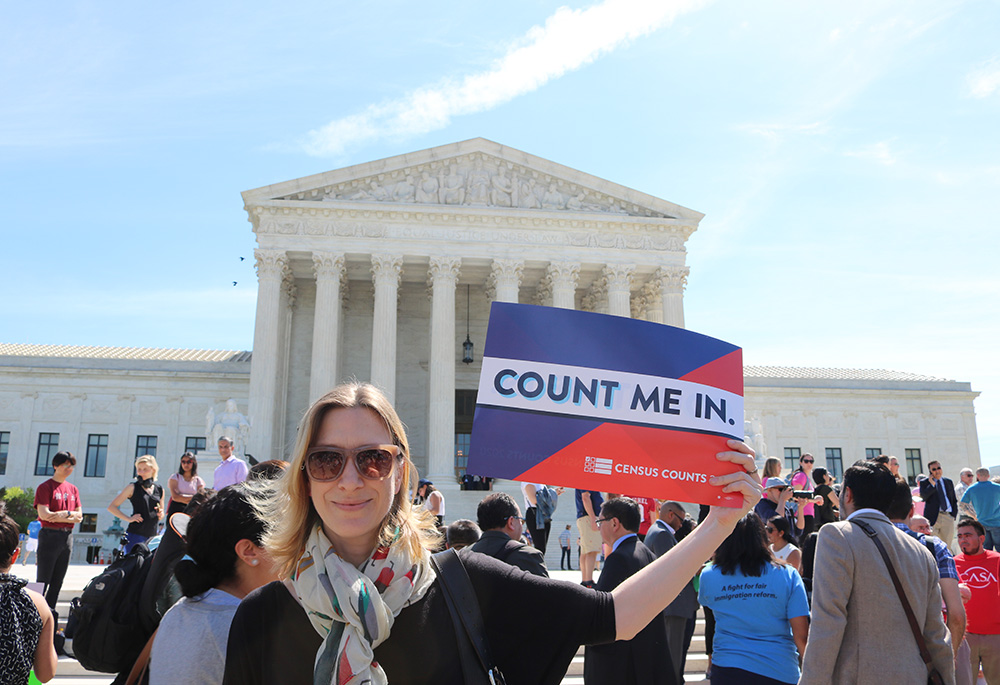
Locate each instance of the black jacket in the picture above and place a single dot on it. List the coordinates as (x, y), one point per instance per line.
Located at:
(643, 660)
(498, 545)
(932, 499)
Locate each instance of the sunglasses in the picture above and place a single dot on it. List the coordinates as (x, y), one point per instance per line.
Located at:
(769, 529)
(808, 461)
(374, 462)
(187, 461)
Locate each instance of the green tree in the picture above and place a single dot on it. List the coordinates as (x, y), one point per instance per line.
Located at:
(20, 505)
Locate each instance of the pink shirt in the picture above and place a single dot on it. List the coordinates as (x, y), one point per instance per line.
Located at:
(230, 472)
(800, 481)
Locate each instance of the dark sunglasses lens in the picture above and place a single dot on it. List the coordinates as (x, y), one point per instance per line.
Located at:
(374, 463)
(326, 465)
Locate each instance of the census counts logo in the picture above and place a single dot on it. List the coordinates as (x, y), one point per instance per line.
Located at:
(978, 577)
(605, 467)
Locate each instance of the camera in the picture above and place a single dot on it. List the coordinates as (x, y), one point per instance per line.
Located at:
(803, 494)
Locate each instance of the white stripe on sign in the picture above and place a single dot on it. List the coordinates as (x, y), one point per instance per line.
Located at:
(609, 396)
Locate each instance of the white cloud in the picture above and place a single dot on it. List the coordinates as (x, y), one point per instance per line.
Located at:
(568, 40)
(879, 152)
(984, 80)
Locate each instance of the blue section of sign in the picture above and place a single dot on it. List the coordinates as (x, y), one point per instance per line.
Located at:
(510, 453)
(546, 334)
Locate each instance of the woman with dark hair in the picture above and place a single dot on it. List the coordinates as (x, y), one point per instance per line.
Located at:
(224, 562)
(184, 484)
(825, 512)
(779, 535)
(431, 499)
(761, 611)
(363, 604)
(26, 622)
(802, 482)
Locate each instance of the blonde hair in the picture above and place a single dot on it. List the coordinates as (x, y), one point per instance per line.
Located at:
(772, 468)
(151, 460)
(288, 511)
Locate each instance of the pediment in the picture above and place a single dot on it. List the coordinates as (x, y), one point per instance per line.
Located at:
(472, 174)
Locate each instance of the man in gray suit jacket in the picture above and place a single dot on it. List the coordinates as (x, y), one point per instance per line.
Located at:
(859, 632)
(679, 612)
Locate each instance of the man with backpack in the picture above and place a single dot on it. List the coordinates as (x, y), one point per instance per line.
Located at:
(502, 526)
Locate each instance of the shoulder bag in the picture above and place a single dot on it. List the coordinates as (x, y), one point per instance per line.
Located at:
(478, 666)
(933, 677)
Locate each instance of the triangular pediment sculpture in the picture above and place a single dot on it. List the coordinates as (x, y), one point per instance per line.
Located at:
(475, 173)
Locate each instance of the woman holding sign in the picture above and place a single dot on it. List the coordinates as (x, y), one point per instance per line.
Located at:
(362, 602)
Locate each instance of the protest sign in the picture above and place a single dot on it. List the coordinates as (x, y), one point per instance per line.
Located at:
(605, 403)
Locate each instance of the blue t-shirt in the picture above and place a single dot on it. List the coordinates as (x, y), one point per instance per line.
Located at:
(985, 497)
(752, 630)
(595, 500)
(33, 529)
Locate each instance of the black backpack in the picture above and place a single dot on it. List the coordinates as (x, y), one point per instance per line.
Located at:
(109, 629)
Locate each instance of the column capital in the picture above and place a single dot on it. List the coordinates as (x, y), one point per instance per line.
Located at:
(328, 265)
(271, 264)
(444, 269)
(618, 277)
(505, 275)
(562, 274)
(387, 268)
(672, 278)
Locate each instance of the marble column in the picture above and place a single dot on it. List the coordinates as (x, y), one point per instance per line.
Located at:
(562, 278)
(652, 294)
(443, 278)
(386, 270)
(619, 283)
(329, 269)
(672, 281)
(505, 279)
(271, 267)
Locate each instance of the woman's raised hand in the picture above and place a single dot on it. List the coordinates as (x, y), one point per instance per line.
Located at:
(746, 482)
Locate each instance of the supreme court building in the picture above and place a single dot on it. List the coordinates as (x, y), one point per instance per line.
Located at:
(381, 271)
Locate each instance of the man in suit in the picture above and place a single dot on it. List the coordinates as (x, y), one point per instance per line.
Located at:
(680, 613)
(644, 659)
(859, 632)
(940, 504)
(502, 526)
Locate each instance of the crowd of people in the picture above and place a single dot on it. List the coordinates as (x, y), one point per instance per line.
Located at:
(320, 570)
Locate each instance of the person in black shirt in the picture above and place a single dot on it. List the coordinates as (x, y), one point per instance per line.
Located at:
(360, 601)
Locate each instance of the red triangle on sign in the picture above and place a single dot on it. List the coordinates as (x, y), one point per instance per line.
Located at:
(725, 373)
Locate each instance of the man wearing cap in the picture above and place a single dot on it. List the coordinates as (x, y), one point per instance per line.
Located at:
(775, 502)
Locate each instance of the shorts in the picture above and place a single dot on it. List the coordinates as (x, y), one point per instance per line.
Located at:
(31, 546)
(590, 539)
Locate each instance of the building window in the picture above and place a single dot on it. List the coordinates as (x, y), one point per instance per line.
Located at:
(792, 455)
(89, 523)
(914, 466)
(465, 408)
(48, 445)
(872, 452)
(97, 455)
(4, 447)
(194, 445)
(145, 444)
(835, 462)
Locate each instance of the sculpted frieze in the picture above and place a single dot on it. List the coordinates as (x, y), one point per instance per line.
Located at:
(475, 180)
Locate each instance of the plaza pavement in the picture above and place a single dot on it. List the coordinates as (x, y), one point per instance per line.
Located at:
(70, 672)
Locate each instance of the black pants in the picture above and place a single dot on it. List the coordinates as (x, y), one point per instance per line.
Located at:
(726, 675)
(539, 536)
(54, 548)
(566, 561)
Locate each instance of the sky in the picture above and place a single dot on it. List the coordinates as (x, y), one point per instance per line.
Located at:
(846, 156)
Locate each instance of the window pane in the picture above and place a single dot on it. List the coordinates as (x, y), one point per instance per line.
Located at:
(835, 462)
(97, 456)
(872, 452)
(145, 444)
(48, 445)
(914, 466)
(792, 455)
(4, 447)
(89, 523)
(194, 445)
